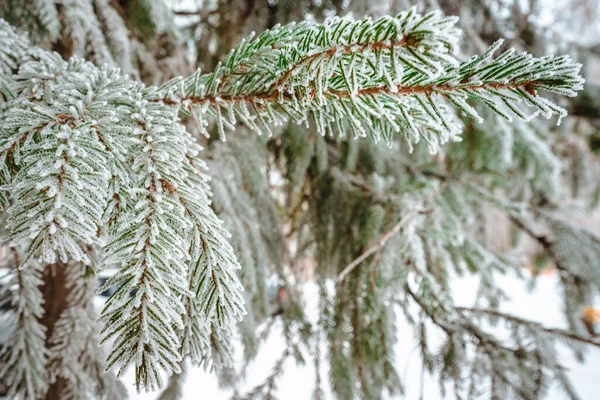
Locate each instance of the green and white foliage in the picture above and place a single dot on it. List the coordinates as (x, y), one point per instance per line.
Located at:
(24, 356)
(39, 18)
(381, 77)
(13, 48)
(97, 30)
(96, 165)
(148, 239)
(93, 165)
(62, 195)
(412, 269)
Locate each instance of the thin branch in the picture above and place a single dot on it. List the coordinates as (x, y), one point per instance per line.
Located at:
(380, 243)
(203, 14)
(273, 95)
(347, 49)
(448, 329)
(544, 241)
(518, 320)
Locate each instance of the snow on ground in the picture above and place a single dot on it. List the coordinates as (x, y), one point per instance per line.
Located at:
(542, 305)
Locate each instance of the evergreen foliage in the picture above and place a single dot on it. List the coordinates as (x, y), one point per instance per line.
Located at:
(101, 172)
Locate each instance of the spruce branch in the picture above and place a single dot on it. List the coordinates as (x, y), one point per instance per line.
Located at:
(144, 326)
(443, 325)
(175, 253)
(23, 357)
(376, 77)
(52, 209)
(456, 323)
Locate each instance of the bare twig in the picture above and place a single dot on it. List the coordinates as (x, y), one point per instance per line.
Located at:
(446, 327)
(380, 243)
(522, 321)
(543, 240)
(203, 14)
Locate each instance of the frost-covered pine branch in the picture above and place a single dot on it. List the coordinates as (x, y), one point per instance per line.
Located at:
(93, 164)
(500, 359)
(391, 75)
(24, 356)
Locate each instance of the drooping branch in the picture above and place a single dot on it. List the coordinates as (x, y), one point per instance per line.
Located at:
(455, 322)
(531, 324)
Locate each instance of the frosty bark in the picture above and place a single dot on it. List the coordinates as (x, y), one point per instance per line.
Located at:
(54, 292)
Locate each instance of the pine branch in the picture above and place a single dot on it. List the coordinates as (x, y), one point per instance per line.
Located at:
(445, 89)
(378, 77)
(515, 357)
(57, 154)
(153, 259)
(218, 303)
(175, 253)
(24, 355)
(14, 49)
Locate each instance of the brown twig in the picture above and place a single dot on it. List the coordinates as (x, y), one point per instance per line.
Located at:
(444, 326)
(380, 243)
(518, 320)
(347, 49)
(400, 90)
(544, 241)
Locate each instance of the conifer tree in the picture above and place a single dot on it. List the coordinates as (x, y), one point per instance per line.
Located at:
(368, 145)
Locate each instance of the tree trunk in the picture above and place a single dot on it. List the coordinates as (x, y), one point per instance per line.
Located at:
(54, 292)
